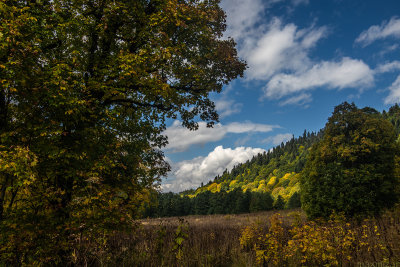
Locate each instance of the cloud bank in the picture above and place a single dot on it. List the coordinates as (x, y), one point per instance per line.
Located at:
(280, 48)
(191, 173)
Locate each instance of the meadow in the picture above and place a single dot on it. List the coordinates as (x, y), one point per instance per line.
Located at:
(273, 238)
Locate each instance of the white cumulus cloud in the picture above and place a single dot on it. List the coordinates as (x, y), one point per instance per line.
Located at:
(180, 138)
(242, 15)
(268, 48)
(394, 95)
(191, 173)
(343, 74)
(279, 48)
(389, 28)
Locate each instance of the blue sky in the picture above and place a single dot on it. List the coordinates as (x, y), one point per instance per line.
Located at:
(304, 57)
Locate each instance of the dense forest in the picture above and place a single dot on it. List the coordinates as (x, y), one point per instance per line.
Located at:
(268, 181)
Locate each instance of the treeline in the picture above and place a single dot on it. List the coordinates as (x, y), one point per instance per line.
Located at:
(236, 191)
(233, 202)
(272, 176)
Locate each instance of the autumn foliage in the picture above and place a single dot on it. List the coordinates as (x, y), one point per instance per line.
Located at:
(333, 242)
(85, 90)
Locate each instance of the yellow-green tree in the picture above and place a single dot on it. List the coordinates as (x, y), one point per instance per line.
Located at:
(352, 169)
(85, 89)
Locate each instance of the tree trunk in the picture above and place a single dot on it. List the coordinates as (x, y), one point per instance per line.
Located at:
(3, 111)
(2, 196)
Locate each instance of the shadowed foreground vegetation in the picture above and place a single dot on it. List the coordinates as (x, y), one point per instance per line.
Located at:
(259, 239)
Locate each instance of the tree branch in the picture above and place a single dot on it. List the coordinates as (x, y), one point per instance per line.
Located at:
(133, 102)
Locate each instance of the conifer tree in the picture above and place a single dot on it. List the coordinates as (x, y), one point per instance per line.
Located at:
(279, 203)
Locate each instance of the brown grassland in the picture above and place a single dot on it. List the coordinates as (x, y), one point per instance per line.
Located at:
(274, 238)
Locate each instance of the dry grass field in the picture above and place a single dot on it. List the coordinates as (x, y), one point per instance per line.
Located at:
(275, 238)
(230, 220)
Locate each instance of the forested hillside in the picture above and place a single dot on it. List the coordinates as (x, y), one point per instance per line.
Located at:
(274, 171)
(269, 180)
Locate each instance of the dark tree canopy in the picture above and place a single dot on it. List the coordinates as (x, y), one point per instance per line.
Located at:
(279, 203)
(353, 168)
(85, 89)
(294, 201)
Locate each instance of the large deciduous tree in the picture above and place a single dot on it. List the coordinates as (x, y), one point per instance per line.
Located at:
(85, 89)
(353, 168)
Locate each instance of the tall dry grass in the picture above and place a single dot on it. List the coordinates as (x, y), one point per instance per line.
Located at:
(220, 240)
